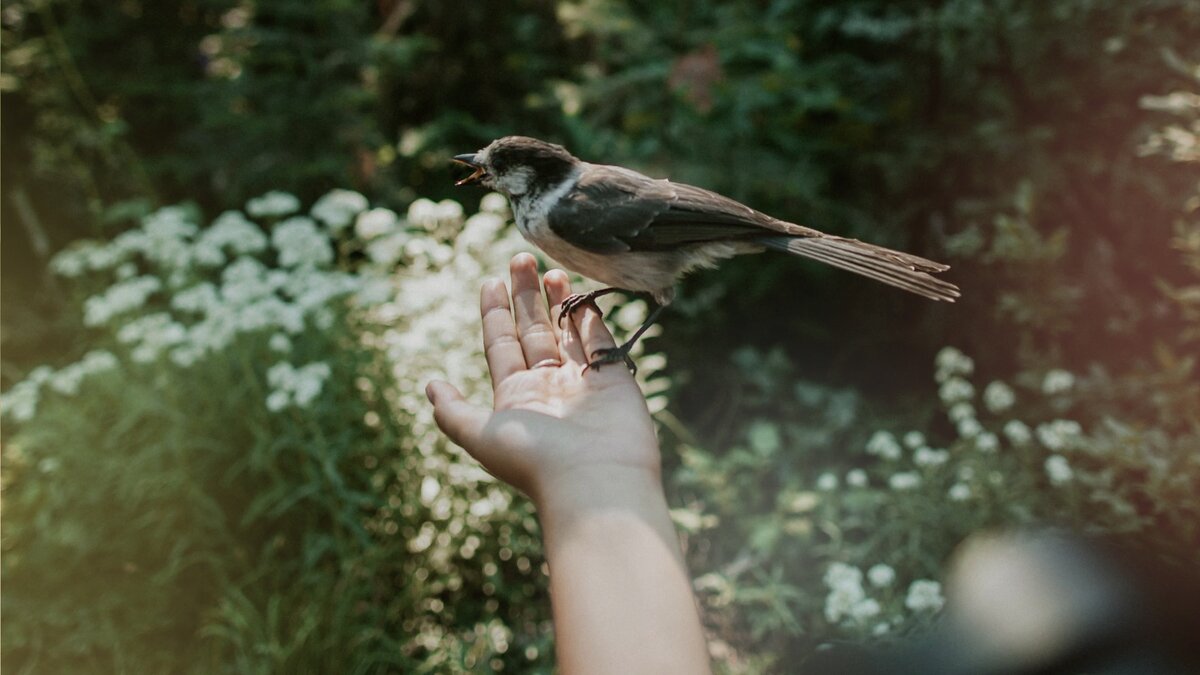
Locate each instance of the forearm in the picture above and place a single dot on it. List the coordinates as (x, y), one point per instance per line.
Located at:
(622, 597)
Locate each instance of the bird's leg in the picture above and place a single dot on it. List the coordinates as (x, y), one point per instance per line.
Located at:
(577, 300)
(615, 354)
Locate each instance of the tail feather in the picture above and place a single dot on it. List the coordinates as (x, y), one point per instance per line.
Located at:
(902, 270)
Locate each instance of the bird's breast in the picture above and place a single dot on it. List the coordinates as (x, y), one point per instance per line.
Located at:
(633, 271)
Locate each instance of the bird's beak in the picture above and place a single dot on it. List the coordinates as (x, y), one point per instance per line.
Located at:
(469, 160)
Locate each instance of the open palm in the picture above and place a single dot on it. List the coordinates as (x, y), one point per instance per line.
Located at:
(552, 415)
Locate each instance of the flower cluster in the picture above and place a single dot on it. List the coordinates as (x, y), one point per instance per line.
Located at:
(1057, 381)
(301, 243)
(292, 386)
(182, 293)
(883, 444)
(849, 604)
(924, 596)
(273, 204)
(338, 208)
(998, 397)
(20, 403)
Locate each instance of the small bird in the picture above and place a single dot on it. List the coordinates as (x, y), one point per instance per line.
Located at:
(636, 233)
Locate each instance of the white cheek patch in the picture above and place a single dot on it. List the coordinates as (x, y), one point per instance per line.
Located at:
(515, 181)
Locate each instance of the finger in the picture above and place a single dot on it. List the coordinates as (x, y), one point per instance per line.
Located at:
(538, 339)
(558, 287)
(501, 346)
(461, 421)
(592, 331)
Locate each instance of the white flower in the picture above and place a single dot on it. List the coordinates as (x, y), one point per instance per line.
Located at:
(969, 427)
(930, 457)
(914, 440)
(67, 380)
(955, 389)
(959, 492)
(924, 596)
(494, 202)
(280, 342)
(428, 215)
(429, 489)
(21, 401)
(950, 361)
(186, 356)
(277, 400)
(881, 575)
(120, 298)
(309, 381)
(883, 444)
(127, 271)
(301, 243)
(375, 223)
(865, 609)
(1058, 469)
(904, 480)
(856, 478)
(987, 442)
(480, 230)
(374, 292)
(295, 386)
(338, 208)
(165, 238)
(1057, 381)
(1059, 434)
(827, 481)
(845, 590)
(961, 411)
(764, 437)
(389, 250)
(232, 231)
(998, 397)
(273, 204)
(40, 375)
(198, 299)
(69, 262)
(1017, 432)
(841, 575)
(98, 361)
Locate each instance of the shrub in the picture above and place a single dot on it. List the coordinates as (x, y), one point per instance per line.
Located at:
(242, 473)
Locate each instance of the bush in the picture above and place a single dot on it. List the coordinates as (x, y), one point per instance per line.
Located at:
(243, 474)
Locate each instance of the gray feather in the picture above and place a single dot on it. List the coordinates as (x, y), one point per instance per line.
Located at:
(901, 270)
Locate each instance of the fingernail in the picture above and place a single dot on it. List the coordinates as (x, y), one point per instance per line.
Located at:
(429, 394)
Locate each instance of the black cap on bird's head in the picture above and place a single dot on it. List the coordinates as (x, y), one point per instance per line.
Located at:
(516, 165)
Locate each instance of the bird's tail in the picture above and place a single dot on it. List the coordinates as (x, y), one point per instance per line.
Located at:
(910, 272)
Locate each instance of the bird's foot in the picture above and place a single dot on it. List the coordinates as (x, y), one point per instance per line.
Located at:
(620, 354)
(576, 301)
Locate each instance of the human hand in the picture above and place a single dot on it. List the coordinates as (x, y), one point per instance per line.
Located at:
(554, 422)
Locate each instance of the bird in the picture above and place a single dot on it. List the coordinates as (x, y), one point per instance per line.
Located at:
(639, 234)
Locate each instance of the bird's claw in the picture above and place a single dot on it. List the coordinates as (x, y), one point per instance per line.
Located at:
(576, 301)
(602, 357)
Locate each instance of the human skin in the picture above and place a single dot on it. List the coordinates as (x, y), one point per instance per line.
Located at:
(580, 442)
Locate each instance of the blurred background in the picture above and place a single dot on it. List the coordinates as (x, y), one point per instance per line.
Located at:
(233, 255)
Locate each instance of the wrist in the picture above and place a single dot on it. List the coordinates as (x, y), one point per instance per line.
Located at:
(593, 489)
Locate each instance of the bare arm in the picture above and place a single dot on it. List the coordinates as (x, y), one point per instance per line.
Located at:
(582, 445)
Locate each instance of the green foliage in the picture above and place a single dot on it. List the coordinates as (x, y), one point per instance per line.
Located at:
(190, 501)
(803, 486)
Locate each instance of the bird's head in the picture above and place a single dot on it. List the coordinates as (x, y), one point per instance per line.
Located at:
(518, 165)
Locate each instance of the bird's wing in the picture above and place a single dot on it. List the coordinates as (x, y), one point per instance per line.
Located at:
(613, 210)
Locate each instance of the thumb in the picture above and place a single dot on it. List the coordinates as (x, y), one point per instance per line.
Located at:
(459, 420)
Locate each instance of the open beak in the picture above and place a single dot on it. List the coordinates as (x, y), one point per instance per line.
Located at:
(469, 160)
